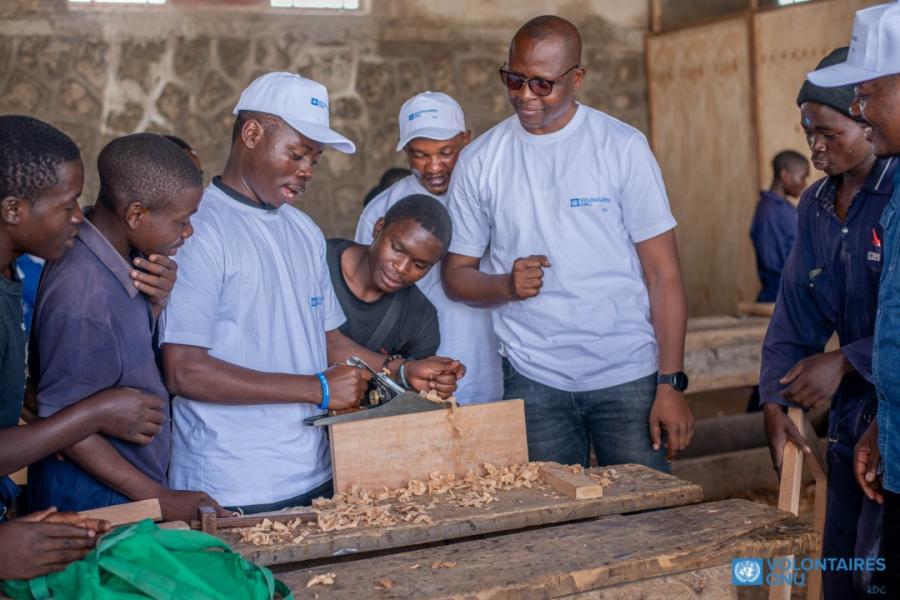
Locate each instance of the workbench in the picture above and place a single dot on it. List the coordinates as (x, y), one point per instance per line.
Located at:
(649, 536)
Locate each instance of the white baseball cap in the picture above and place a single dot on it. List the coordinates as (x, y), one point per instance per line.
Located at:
(874, 49)
(301, 103)
(430, 115)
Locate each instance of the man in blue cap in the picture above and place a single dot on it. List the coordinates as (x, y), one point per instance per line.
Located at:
(873, 67)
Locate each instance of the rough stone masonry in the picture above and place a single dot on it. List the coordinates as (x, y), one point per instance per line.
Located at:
(98, 73)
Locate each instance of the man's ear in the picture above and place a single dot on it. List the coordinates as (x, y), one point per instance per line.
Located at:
(252, 132)
(379, 227)
(466, 137)
(135, 214)
(12, 209)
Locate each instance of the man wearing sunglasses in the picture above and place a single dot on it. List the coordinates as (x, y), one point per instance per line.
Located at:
(570, 206)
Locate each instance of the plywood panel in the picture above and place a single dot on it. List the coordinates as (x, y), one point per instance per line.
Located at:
(702, 133)
(393, 450)
(790, 42)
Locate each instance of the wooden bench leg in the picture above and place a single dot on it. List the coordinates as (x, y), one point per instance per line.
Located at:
(789, 497)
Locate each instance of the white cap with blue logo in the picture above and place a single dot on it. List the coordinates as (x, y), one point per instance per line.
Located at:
(874, 49)
(430, 115)
(301, 103)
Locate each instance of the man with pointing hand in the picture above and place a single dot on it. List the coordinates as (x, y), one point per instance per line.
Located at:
(571, 204)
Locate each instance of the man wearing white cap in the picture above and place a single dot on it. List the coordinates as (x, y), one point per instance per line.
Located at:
(873, 66)
(433, 133)
(252, 327)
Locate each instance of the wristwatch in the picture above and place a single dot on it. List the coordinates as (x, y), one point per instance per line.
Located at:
(678, 380)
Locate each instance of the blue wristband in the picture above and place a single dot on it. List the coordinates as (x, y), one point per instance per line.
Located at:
(326, 395)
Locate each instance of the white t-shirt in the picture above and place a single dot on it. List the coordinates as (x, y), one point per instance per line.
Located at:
(583, 196)
(466, 331)
(253, 287)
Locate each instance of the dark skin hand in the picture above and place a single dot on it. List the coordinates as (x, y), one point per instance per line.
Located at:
(45, 542)
(866, 460)
(814, 380)
(527, 276)
(779, 431)
(124, 413)
(158, 280)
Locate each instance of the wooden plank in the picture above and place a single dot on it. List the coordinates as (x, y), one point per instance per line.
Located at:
(703, 137)
(789, 42)
(756, 309)
(635, 488)
(390, 451)
(577, 486)
(573, 558)
(132, 512)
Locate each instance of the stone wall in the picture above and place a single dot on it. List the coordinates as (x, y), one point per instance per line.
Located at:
(100, 73)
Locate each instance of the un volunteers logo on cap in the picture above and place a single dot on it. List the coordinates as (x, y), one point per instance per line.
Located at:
(320, 103)
(746, 571)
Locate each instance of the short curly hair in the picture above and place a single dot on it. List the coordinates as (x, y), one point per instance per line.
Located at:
(31, 152)
(425, 210)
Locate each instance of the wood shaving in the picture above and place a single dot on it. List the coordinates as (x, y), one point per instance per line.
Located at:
(323, 579)
(443, 564)
(384, 583)
(433, 396)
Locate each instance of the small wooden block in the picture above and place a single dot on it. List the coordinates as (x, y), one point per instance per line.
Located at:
(132, 512)
(208, 520)
(577, 486)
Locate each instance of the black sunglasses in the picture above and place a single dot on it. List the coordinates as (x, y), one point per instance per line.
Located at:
(537, 85)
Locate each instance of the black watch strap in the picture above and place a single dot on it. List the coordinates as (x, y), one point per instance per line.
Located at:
(678, 380)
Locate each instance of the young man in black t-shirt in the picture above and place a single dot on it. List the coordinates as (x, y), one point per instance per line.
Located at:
(374, 284)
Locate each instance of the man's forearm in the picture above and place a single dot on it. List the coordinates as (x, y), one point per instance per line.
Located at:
(668, 311)
(23, 445)
(191, 372)
(464, 282)
(103, 462)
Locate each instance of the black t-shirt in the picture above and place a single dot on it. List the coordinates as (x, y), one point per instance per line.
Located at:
(414, 332)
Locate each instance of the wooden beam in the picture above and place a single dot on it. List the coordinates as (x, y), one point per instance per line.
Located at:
(577, 486)
(391, 451)
(756, 309)
(132, 512)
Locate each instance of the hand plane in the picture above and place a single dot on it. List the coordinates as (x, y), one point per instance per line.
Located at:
(396, 400)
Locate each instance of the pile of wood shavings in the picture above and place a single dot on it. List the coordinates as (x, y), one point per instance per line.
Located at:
(385, 507)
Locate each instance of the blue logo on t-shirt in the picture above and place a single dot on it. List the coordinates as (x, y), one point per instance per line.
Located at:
(320, 103)
(315, 301)
(418, 114)
(579, 202)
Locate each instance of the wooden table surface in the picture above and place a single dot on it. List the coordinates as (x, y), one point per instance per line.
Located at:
(572, 558)
(635, 488)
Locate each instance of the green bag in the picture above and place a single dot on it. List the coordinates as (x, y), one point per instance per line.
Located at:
(143, 561)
